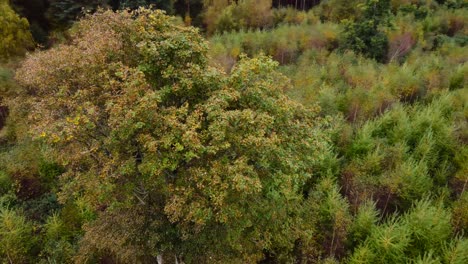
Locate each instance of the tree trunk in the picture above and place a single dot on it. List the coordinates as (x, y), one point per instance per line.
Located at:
(159, 258)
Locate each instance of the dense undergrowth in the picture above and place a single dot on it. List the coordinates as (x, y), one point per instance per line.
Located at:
(368, 163)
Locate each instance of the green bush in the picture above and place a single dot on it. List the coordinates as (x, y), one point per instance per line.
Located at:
(17, 240)
(419, 236)
(6, 184)
(456, 251)
(430, 228)
(364, 222)
(58, 245)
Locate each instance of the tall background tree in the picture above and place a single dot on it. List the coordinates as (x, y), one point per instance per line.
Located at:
(15, 37)
(365, 35)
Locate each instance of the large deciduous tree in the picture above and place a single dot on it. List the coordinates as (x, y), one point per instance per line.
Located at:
(176, 157)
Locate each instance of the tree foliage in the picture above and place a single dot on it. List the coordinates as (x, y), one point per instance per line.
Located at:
(124, 143)
(15, 37)
(16, 237)
(225, 15)
(149, 129)
(365, 35)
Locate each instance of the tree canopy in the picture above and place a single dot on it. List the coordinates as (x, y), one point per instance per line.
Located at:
(15, 37)
(274, 133)
(189, 155)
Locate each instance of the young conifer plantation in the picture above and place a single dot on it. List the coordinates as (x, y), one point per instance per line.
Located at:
(219, 131)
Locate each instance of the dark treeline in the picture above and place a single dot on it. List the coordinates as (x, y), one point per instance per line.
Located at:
(298, 4)
(46, 16)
